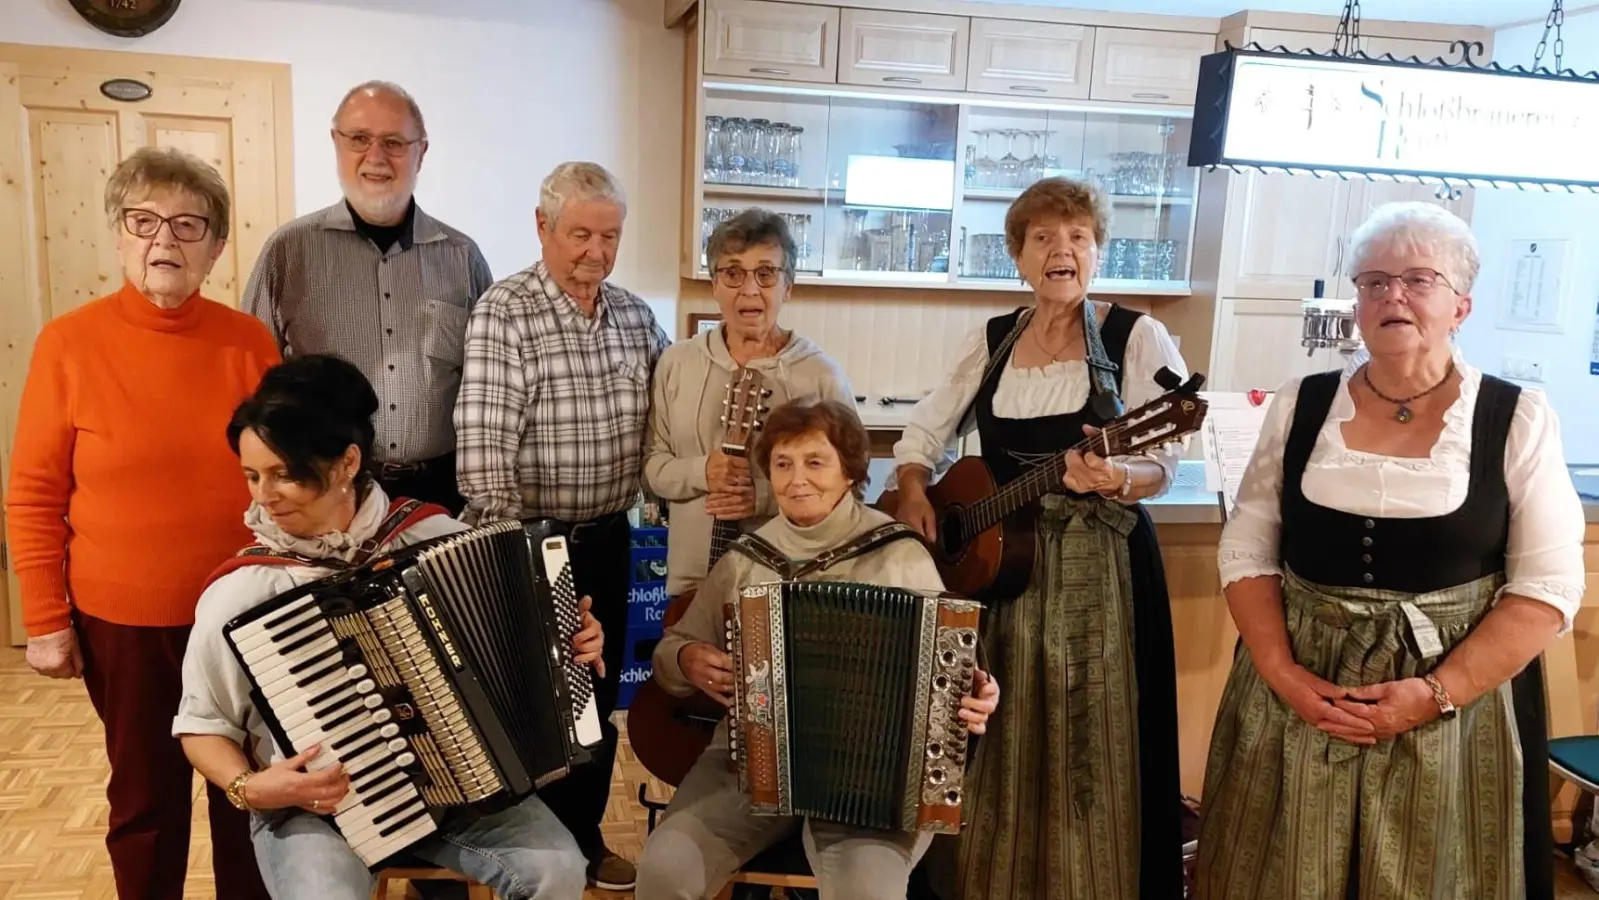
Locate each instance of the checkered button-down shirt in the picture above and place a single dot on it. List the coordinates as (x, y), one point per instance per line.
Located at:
(552, 414)
(399, 316)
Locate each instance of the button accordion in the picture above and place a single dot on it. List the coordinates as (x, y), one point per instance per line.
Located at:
(441, 676)
(846, 702)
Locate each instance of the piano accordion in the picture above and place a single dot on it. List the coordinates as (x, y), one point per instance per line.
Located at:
(846, 700)
(442, 676)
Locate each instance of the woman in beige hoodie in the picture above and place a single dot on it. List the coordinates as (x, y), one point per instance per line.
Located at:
(752, 257)
(817, 453)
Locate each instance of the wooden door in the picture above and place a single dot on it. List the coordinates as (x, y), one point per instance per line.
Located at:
(919, 50)
(760, 39)
(60, 138)
(1291, 231)
(1140, 66)
(1030, 59)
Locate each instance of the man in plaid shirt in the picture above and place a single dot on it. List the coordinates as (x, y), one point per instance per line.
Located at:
(551, 421)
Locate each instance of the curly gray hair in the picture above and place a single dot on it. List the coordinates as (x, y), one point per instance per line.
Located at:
(149, 169)
(1423, 228)
(578, 181)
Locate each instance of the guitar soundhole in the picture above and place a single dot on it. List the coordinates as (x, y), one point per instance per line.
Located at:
(949, 532)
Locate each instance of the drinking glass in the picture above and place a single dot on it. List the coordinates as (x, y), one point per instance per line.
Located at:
(755, 162)
(715, 149)
(738, 148)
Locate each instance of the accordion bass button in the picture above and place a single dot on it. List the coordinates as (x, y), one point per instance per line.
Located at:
(946, 658)
(935, 750)
(952, 796)
(936, 775)
(941, 683)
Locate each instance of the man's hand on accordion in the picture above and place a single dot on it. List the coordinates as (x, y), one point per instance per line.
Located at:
(977, 706)
(710, 670)
(283, 785)
(589, 642)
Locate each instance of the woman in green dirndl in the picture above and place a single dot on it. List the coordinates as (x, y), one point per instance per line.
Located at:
(1073, 792)
(1406, 542)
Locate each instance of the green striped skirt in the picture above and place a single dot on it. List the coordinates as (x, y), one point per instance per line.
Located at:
(1292, 813)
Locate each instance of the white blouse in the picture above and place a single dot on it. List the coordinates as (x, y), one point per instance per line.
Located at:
(1054, 389)
(1543, 560)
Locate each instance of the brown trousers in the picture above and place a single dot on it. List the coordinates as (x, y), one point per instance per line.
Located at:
(134, 677)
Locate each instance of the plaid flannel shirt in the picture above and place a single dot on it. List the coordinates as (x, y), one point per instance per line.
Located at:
(553, 409)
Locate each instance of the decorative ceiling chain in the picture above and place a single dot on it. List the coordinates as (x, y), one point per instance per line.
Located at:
(1557, 18)
(1347, 40)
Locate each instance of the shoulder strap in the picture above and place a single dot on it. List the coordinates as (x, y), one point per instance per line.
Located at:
(763, 552)
(1106, 400)
(996, 355)
(402, 515)
(1313, 402)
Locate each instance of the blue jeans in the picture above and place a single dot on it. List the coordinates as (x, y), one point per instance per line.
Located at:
(523, 852)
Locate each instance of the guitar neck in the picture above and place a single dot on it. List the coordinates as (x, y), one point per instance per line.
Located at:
(1028, 488)
(723, 533)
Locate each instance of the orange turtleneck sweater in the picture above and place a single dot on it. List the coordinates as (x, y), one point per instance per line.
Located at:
(124, 494)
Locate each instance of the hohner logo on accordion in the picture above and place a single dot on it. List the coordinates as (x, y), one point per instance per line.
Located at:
(846, 701)
(441, 676)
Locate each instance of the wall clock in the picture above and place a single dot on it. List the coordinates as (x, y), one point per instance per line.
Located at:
(126, 18)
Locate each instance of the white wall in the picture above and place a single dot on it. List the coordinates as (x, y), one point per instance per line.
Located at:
(1502, 216)
(510, 88)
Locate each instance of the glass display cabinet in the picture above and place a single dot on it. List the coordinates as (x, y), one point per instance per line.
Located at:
(912, 192)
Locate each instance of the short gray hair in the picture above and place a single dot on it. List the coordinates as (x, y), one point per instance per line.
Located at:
(578, 181)
(391, 89)
(149, 169)
(751, 228)
(1422, 228)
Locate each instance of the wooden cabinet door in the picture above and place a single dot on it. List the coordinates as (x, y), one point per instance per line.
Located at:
(905, 49)
(1291, 232)
(1030, 59)
(757, 39)
(1258, 347)
(1148, 66)
(60, 139)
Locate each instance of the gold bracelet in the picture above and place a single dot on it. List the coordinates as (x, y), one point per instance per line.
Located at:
(235, 790)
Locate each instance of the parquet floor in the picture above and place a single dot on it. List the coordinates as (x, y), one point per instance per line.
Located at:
(53, 809)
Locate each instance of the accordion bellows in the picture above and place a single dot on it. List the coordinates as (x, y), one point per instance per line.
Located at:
(846, 702)
(441, 676)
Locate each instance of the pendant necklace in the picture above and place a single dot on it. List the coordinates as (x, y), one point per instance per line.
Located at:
(1403, 415)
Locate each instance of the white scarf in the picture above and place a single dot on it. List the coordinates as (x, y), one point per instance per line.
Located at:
(340, 545)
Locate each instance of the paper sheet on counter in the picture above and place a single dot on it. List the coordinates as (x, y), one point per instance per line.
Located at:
(1232, 426)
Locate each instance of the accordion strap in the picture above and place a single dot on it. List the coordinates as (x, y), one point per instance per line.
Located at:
(763, 552)
(401, 516)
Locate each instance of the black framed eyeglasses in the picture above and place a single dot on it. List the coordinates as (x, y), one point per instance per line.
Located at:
(186, 227)
(1414, 282)
(733, 276)
(391, 144)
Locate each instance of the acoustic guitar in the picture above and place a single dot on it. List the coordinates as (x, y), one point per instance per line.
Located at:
(669, 733)
(982, 547)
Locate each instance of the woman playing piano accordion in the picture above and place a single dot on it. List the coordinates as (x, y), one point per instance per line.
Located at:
(304, 441)
(815, 453)
(1074, 794)
(1407, 540)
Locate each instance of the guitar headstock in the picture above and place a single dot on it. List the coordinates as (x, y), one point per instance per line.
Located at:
(744, 411)
(1169, 418)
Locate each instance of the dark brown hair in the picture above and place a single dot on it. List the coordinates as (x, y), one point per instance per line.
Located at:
(751, 228)
(1060, 198)
(829, 418)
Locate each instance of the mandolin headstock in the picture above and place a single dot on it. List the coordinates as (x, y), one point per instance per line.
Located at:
(1167, 419)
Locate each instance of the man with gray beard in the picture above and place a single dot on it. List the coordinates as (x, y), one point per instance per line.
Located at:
(379, 282)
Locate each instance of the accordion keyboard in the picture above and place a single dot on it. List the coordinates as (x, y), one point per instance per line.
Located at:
(321, 696)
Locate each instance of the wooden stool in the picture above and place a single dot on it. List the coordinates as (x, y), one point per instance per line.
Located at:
(474, 891)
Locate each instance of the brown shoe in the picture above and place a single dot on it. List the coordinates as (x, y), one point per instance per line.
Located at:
(612, 873)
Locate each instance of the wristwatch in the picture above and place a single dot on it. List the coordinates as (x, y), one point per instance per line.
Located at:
(1446, 707)
(235, 789)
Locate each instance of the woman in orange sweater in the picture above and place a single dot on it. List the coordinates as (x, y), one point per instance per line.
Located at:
(124, 496)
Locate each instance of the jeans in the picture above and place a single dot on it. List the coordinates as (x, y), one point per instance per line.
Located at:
(522, 852)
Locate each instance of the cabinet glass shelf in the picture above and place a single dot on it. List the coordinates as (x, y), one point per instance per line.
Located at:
(913, 193)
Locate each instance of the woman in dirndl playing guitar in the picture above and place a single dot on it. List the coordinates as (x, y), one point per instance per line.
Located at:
(1074, 793)
(711, 394)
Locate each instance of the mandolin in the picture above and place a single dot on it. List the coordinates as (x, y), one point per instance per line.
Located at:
(669, 733)
(982, 548)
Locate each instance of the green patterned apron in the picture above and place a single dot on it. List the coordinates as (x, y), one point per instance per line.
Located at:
(1292, 813)
(1052, 800)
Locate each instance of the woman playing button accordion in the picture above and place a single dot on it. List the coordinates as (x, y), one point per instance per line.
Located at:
(815, 453)
(1407, 540)
(304, 441)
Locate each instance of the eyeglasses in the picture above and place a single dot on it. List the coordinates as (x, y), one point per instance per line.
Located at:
(733, 276)
(185, 227)
(1414, 282)
(361, 142)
